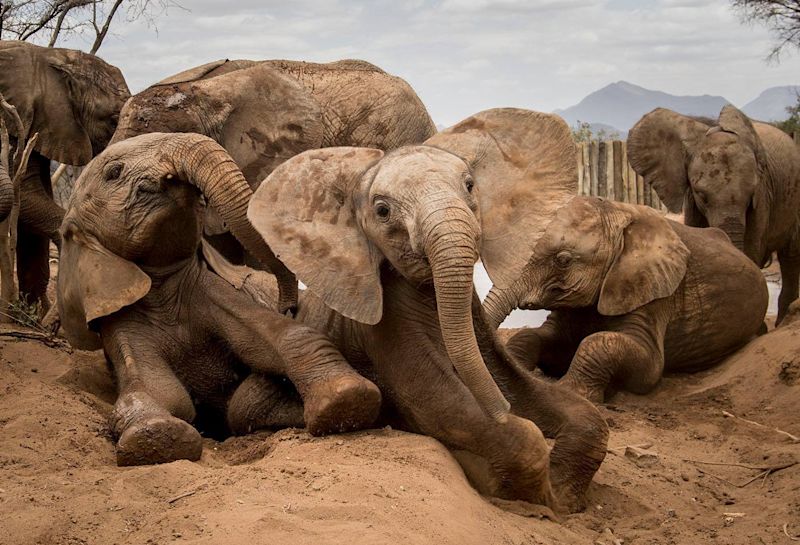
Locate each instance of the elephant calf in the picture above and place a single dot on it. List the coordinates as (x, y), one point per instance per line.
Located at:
(631, 294)
(176, 333)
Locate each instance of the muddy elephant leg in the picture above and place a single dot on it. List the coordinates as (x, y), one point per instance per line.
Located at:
(789, 260)
(435, 402)
(336, 398)
(151, 416)
(580, 433)
(33, 268)
(547, 347)
(263, 402)
(607, 357)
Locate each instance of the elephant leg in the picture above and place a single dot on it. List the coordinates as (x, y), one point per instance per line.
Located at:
(336, 398)
(580, 433)
(151, 416)
(263, 402)
(547, 347)
(789, 260)
(607, 357)
(434, 401)
(33, 268)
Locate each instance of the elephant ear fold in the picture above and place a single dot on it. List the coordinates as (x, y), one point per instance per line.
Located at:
(650, 262)
(659, 147)
(525, 169)
(57, 119)
(305, 211)
(732, 120)
(92, 283)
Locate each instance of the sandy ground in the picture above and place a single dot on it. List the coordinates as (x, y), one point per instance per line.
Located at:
(59, 483)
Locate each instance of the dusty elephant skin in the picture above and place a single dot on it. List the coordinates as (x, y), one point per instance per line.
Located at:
(387, 246)
(632, 294)
(72, 99)
(735, 174)
(179, 337)
(263, 113)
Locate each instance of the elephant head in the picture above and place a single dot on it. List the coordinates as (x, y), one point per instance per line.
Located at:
(137, 207)
(613, 256)
(716, 172)
(339, 217)
(72, 99)
(259, 115)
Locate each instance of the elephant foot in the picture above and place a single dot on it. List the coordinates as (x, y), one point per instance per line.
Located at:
(344, 403)
(525, 509)
(158, 440)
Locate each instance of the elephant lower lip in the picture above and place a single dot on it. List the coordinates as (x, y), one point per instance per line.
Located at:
(532, 306)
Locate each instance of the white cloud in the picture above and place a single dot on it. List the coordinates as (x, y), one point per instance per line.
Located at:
(465, 55)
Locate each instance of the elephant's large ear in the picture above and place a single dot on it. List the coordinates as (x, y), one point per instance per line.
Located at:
(650, 262)
(525, 168)
(306, 214)
(93, 282)
(263, 118)
(659, 147)
(732, 120)
(33, 80)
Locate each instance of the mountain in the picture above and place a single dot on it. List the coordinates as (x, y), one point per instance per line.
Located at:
(771, 104)
(621, 104)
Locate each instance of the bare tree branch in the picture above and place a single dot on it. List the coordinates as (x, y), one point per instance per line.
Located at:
(782, 17)
(101, 34)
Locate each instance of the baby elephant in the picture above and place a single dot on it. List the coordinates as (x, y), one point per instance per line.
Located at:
(631, 294)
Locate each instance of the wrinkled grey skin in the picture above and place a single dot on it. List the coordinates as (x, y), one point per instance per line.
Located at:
(735, 174)
(631, 295)
(182, 340)
(391, 243)
(72, 100)
(263, 113)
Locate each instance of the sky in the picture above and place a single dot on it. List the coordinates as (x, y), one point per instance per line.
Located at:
(463, 56)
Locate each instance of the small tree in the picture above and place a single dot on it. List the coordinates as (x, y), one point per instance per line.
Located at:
(782, 17)
(47, 21)
(582, 132)
(791, 124)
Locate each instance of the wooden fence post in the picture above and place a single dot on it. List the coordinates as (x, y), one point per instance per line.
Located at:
(594, 156)
(617, 167)
(602, 170)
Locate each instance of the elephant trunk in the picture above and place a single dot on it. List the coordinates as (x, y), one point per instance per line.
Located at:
(734, 228)
(499, 303)
(207, 165)
(452, 251)
(6, 194)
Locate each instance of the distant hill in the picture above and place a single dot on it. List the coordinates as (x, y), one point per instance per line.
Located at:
(771, 104)
(621, 104)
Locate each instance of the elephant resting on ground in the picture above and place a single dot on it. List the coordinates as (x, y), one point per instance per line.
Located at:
(631, 294)
(387, 247)
(72, 99)
(740, 176)
(263, 113)
(132, 281)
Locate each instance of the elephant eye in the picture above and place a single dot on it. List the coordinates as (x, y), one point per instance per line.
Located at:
(563, 258)
(470, 183)
(113, 171)
(382, 210)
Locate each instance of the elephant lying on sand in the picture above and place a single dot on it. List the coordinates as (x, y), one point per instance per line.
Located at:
(72, 99)
(263, 113)
(387, 246)
(740, 176)
(179, 337)
(631, 294)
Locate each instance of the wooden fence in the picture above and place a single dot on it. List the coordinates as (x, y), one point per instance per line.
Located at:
(604, 171)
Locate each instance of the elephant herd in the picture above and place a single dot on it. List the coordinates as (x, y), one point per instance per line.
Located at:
(208, 195)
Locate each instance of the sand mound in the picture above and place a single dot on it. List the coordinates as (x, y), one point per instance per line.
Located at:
(59, 484)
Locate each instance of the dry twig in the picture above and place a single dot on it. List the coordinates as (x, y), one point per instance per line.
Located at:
(792, 438)
(764, 471)
(786, 531)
